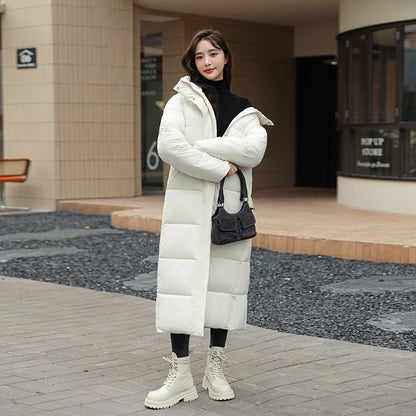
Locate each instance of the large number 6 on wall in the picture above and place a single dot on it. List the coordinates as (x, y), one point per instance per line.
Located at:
(152, 154)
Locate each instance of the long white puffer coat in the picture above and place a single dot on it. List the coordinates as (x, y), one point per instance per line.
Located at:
(200, 284)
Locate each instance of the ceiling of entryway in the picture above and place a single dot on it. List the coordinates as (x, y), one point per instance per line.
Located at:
(282, 12)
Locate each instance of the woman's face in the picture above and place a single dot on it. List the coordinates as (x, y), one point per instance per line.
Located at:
(210, 60)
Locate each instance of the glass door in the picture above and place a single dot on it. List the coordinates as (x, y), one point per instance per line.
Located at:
(152, 108)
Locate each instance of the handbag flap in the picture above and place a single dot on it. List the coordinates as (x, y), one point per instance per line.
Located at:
(227, 223)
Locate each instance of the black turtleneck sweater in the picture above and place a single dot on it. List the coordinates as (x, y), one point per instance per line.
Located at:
(229, 105)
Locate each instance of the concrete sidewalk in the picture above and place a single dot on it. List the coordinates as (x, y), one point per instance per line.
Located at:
(68, 351)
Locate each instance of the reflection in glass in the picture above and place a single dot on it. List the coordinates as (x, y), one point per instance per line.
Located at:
(376, 152)
(409, 72)
(383, 58)
(359, 79)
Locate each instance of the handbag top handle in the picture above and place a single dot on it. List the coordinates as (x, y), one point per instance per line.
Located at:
(243, 191)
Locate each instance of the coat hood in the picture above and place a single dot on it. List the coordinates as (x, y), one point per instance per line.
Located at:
(194, 93)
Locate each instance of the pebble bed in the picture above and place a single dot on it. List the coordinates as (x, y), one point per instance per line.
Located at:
(285, 290)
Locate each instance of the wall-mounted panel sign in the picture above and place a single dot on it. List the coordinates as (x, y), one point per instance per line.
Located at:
(26, 58)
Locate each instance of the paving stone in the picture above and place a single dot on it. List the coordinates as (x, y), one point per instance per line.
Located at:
(37, 387)
(396, 410)
(242, 406)
(374, 380)
(36, 399)
(374, 284)
(380, 401)
(143, 281)
(11, 379)
(14, 409)
(401, 393)
(328, 387)
(109, 392)
(302, 391)
(78, 410)
(110, 407)
(404, 369)
(6, 255)
(58, 234)
(152, 259)
(303, 410)
(396, 322)
(332, 404)
(344, 377)
(284, 401)
(7, 392)
(82, 383)
(409, 383)
(247, 388)
(80, 399)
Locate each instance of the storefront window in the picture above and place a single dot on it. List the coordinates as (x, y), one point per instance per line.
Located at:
(410, 169)
(359, 80)
(377, 88)
(383, 62)
(409, 73)
(343, 104)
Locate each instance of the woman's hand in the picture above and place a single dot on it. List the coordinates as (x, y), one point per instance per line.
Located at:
(233, 169)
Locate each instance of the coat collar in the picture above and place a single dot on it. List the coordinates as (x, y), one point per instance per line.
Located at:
(264, 121)
(195, 94)
(192, 92)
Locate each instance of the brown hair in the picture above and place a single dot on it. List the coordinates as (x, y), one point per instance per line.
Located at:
(188, 63)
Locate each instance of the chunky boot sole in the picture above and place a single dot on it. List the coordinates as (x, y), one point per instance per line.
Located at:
(206, 385)
(186, 396)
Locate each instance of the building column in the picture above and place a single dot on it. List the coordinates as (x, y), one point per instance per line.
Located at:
(28, 102)
(74, 113)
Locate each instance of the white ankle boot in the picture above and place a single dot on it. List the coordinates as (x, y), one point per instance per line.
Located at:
(214, 380)
(179, 385)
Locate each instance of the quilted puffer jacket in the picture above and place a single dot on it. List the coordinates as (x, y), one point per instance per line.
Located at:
(200, 284)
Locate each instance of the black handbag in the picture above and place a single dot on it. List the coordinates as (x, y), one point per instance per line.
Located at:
(228, 228)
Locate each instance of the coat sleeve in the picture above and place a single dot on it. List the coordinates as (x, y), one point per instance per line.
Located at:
(246, 151)
(173, 148)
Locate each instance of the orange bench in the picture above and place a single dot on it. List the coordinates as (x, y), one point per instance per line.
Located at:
(13, 170)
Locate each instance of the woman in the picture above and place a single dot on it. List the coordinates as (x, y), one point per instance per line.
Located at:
(205, 134)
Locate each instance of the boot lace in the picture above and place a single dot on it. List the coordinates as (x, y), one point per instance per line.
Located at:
(217, 357)
(172, 371)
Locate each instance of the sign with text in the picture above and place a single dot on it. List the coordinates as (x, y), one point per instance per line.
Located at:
(149, 68)
(372, 153)
(26, 58)
(376, 152)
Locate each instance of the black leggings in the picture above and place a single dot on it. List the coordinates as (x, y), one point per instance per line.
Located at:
(180, 342)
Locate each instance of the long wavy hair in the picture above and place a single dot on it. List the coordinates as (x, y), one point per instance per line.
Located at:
(217, 39)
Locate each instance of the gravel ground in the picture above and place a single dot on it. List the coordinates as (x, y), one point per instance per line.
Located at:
(284, 294)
